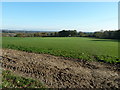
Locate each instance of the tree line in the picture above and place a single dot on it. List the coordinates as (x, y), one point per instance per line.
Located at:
(100, 34)
(72, 33)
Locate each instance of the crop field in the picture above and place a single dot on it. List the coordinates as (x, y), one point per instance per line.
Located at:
(105, 50)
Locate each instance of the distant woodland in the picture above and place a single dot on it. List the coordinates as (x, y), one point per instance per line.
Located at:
(64, 33)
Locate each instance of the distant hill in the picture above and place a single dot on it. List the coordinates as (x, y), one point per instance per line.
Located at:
(21, 31)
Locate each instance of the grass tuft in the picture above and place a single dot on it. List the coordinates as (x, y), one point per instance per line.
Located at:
(9, 80)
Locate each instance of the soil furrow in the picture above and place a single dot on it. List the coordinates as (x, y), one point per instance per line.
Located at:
(60, 72)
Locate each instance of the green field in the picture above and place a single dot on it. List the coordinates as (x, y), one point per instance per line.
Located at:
(10, 80)
(74, 47)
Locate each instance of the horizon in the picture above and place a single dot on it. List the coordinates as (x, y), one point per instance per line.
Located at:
(56, 16)
(53, 30)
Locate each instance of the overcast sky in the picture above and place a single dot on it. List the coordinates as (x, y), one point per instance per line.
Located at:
(56, 16)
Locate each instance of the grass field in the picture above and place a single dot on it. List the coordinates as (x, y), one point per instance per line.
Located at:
(105, 50)
(10, 80)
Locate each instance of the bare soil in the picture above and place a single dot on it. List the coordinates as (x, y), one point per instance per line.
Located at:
(60, 72)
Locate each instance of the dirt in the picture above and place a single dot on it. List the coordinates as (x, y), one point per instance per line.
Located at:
(60, 72)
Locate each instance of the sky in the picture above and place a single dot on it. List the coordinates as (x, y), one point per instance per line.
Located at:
(60, 0)
(56, 16)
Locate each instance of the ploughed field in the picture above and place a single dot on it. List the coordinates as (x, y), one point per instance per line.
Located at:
(103, 50)
(48, 71)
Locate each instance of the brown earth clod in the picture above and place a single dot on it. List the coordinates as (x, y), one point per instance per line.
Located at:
(57, 72)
